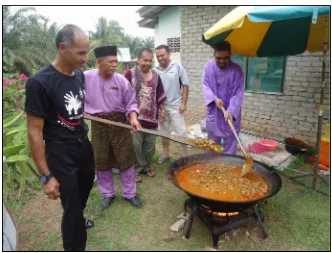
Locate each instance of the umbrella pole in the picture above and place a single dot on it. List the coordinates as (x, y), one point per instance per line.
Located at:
(320, 107)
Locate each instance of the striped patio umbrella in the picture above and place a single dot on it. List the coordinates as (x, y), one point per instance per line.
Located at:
(266, 31)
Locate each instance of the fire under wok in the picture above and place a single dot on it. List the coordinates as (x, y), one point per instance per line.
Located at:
(271, 179)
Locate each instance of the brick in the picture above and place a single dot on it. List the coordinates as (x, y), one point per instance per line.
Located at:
(298, 88)
(281, 129)
(293, 83)
(299, 78)
(251, 114)
(260, 95)
(262, 121)
(305, 124)
(312, 120)
(312, 68)
(311, 89)
(303, 64)
(305, 94)
(283, 98)
(297, 98)
(278, 119)
(270, 106)
(290, 63)
(264, 116)
(290, 112)
(291, 93)
(296, 117)
(303, 129)
(291, 122)
(291, 104)
(306, 113)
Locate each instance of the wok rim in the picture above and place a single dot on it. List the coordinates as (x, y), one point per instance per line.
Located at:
(171, 174)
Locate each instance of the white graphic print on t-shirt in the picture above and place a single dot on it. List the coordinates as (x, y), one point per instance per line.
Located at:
(73, 103)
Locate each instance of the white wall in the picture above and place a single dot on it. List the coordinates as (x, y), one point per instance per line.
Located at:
(168, 27)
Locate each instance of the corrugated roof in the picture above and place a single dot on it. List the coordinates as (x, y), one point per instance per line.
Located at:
(150, 15)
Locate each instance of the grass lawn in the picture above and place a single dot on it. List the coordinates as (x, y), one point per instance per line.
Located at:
(297, 225)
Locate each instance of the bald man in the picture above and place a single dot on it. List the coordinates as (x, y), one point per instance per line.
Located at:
(54, 107)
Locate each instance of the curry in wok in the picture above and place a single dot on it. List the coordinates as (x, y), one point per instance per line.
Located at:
(222, 182)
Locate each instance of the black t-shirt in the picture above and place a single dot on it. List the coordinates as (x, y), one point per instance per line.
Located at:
(59, 99)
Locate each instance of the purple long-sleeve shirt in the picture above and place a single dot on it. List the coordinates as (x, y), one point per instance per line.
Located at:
(107, 96)
(228, 85)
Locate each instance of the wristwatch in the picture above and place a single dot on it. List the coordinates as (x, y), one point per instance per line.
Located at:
(44, 179)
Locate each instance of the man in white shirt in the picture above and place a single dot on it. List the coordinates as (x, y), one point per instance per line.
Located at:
(176, 86)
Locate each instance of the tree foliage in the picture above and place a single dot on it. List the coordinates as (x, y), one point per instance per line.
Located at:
(29, 39)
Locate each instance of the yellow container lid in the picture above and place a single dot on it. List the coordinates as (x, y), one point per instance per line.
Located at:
(326, 136)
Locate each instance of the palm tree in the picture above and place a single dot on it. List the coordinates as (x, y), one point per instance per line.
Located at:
(28, 42)
(134, 44)
(115, 28)
(106, 33)
(148, 42)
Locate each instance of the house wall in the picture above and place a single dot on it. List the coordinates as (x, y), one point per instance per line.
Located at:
(168, 26)
(291, 114)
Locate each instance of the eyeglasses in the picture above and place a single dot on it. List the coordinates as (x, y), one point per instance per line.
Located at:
(222, 58)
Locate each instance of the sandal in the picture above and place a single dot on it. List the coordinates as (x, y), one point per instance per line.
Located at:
(138, 179)
(163, 159)
(88, 223)
(149, 173)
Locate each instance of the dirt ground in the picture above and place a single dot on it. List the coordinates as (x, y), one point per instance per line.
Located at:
(301, 224)
(47, 213)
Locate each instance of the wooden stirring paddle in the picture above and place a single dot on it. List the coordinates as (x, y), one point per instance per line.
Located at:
(249, 161)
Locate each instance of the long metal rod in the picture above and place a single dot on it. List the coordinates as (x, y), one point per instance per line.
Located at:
(300, 183)
(300, 194)
(114, 123)
(321, 105)
(307, 175)
(179, 139)
(323, 179)
(234, 132)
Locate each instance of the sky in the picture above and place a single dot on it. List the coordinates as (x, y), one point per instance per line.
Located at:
(86, 17)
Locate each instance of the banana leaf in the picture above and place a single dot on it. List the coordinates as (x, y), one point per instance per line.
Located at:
(17, 158)
(14, 130)
(12, 119)
(11, 132)
(33, 170)
(12, 150)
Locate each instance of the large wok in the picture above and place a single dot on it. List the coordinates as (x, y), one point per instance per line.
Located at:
(272, 179)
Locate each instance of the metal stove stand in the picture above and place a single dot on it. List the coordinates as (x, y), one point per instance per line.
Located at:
(221, 224)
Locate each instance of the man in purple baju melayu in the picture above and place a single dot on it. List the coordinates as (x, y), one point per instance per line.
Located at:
(110, 96)
(223, 84)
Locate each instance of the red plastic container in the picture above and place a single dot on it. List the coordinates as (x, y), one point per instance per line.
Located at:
(269, 144)
(257, 148)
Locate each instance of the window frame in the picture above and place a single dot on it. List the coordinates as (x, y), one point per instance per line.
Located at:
(265, 92)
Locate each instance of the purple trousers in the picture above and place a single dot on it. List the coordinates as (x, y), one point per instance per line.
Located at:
(105, 181)
(230, 143)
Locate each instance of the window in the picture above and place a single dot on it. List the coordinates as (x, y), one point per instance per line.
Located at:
(264, 74)
(174, 44)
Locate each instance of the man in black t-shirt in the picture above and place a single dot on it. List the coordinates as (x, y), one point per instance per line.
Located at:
(54, 105)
